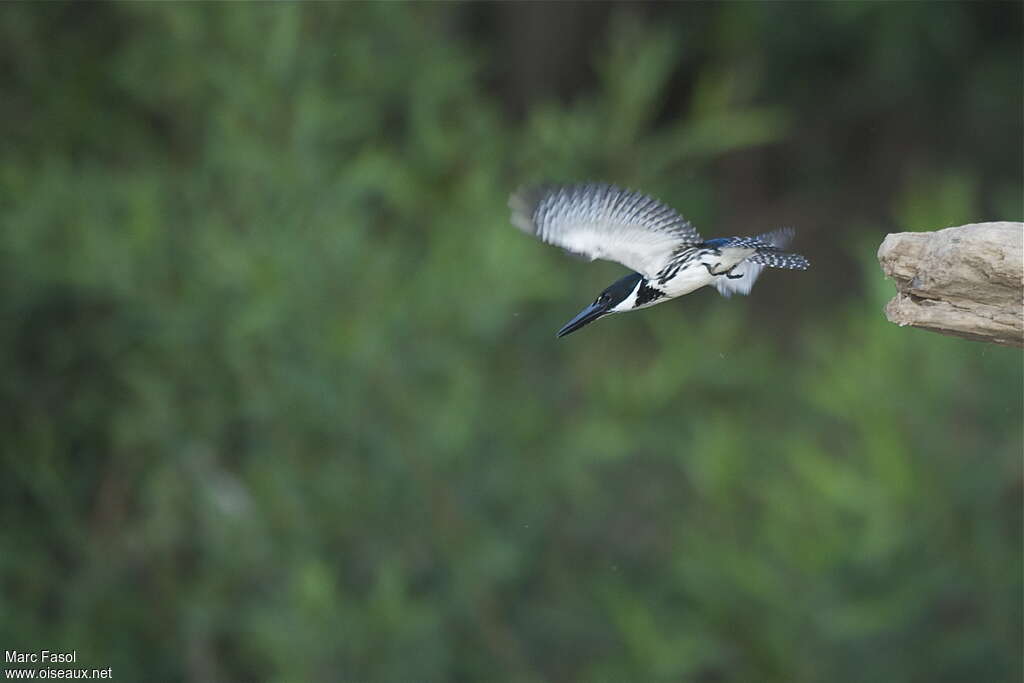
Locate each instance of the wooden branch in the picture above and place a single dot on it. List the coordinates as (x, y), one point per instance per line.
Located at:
(967, 282)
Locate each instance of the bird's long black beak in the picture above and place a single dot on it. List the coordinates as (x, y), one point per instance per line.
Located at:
(584, 317)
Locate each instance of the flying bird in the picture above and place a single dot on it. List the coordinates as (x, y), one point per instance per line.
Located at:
(667, 254)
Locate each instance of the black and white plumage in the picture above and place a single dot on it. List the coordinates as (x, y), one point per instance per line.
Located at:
(601, 221)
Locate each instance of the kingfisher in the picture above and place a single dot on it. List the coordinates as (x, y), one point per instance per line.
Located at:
(667, 254)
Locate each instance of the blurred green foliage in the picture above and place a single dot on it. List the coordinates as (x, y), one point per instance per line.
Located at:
(282, 402)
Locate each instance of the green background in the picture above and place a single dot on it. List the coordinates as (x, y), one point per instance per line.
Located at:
(281, 396)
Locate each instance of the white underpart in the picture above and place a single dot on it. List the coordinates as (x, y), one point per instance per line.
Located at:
(696, 275)
(749, 270)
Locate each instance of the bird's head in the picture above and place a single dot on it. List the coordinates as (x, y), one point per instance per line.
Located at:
(618, 297)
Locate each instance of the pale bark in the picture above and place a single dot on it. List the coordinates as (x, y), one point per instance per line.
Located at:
(967, 281)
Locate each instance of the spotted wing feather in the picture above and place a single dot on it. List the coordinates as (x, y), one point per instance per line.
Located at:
(603, 221)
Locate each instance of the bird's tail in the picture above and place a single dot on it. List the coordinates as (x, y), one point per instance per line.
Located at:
(769, 253)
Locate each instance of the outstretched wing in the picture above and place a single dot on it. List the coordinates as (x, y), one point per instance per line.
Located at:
(603, 221)
(768, 253)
